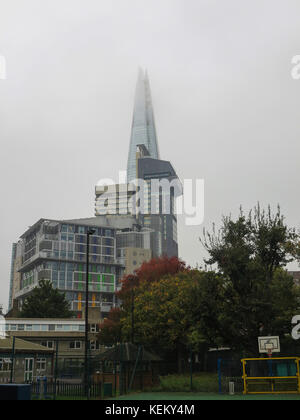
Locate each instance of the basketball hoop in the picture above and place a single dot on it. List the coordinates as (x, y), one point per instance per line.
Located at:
(269, 345)
(269, 348)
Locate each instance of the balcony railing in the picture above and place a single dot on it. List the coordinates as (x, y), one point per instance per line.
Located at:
(106, 307)
(25, 291)
(52, 256)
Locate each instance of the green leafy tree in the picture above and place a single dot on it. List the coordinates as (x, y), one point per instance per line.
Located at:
(167, 311)
(46, 302)
(135, 289)
(258, 296)
(297, 251)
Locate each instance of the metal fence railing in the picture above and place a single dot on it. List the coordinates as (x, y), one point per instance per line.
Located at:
(44, 390)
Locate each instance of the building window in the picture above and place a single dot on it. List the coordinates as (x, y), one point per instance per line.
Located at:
(64, 228)
(41, 365)
(67, 328)
(94, 345)
(48, 344)
(36, 328)
(75, 345)
(93, 328)
(5, 365)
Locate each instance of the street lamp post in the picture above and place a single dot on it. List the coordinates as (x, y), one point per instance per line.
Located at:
(132, 315)
(86, 360)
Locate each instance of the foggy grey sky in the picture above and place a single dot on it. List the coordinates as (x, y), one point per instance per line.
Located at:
(226, 107)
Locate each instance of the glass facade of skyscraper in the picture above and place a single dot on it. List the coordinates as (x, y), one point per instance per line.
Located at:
(143, 125)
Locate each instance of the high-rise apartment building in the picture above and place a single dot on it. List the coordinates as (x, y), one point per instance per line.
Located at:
(56, 251)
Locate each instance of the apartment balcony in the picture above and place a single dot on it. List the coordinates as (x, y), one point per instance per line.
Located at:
(31, 261)
(106, 307)
(25, 291)
(51, 256)
(96, 287)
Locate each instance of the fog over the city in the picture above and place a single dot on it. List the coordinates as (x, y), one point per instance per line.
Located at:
(226, 105)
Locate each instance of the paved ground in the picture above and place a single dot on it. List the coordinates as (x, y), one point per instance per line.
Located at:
(162, 396)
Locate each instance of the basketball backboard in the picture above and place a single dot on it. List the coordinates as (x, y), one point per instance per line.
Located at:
(269, 345)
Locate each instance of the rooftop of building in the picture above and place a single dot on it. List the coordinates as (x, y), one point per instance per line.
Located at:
(130, 188)
(6, 344)
(112, 222)
(45, 320)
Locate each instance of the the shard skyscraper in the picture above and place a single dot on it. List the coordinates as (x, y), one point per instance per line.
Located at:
(143, 125)
(144, 163)
(155, 207)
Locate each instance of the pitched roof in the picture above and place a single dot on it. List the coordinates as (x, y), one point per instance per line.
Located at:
(6, 344)
(128, 353)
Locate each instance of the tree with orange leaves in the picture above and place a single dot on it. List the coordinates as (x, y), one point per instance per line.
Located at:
(110, 329)
(151, 271)
(154, 270)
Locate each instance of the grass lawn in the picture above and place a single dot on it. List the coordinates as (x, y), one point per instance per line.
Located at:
(184, 396)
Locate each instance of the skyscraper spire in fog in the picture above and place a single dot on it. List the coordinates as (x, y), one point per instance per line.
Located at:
(143, 125)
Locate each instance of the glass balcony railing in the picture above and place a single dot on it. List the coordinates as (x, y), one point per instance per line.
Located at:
(71, 256)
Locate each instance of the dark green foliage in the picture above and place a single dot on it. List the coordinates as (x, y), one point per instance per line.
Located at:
(46, 302)
(258, 297)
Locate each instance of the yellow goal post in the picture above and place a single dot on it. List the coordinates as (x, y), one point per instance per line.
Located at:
(278, 375)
